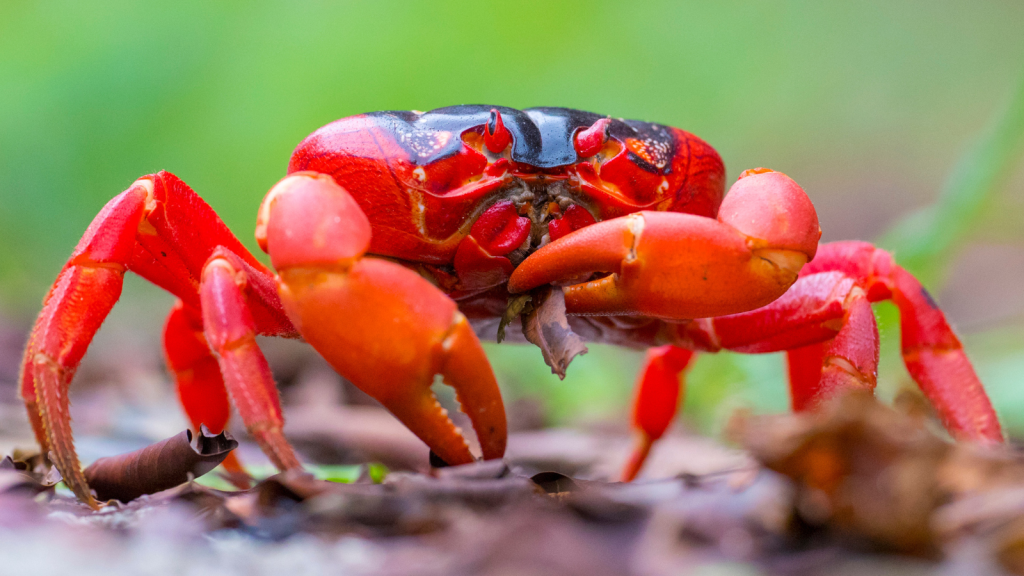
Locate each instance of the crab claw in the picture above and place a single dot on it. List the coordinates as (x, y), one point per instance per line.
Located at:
(680, 266)
(379, 324)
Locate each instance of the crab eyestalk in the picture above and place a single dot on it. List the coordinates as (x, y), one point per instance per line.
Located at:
(590, 141)
(496, 135)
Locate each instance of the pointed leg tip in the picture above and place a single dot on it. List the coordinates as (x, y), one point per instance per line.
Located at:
(630, 472)
(273, 443)
(75, 480)
(637, 458)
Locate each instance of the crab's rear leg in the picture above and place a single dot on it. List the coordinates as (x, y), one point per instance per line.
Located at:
(825, 318)
(195, 370)
(933, 354)
(382, 326)
(199, 381)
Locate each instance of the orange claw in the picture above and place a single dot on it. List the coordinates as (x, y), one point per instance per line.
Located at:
(681, 266)
(379, 324)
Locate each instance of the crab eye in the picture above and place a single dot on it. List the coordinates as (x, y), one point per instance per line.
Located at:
(589, 142)
(650, 153)
(496, 136)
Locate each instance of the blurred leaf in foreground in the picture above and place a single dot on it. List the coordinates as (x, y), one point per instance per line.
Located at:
(865, 471)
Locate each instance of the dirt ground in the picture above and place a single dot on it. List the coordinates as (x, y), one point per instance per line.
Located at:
(856, 489)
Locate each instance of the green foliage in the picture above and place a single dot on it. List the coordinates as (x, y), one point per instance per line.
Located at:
(926, 241)
(377, 472)
(343, 474)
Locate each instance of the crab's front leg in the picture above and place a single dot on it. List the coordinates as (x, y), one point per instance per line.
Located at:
(382, 326)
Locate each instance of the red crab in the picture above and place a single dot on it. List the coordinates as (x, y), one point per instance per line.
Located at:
(395, 234)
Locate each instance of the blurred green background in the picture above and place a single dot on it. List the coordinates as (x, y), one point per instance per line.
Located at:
(869, 105)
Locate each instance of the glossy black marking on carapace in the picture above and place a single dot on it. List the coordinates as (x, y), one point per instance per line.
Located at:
(541, 137)
(659, 143)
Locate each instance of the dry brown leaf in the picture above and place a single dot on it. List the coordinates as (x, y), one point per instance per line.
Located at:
(158, 466)
(547, 326)
(872, 473)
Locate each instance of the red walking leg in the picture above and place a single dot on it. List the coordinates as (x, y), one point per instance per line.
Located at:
(198, 380)
(231, 332)
(657, 400)
(850, 360)
(164, 232)
(79, 301)
(804, 366)
(829, 297)
(847, 361)
(196, 373)
(937, 362)
(932, 352)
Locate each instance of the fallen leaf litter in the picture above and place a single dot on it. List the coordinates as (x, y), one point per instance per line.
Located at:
(856, 484)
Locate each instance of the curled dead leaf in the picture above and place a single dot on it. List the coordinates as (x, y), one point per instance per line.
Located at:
(158, 466)
(547, 326)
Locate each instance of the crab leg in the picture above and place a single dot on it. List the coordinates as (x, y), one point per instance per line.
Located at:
(676, 266)
(197, 376)
(829, 307)
(82, 296)
(382, 326)
(229, 328)
(160, 229)
(657, 399)
(850, 360)
(932, 353)
(804, 365)
(194, 367)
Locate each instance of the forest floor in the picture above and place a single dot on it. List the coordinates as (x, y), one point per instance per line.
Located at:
(857, 488)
